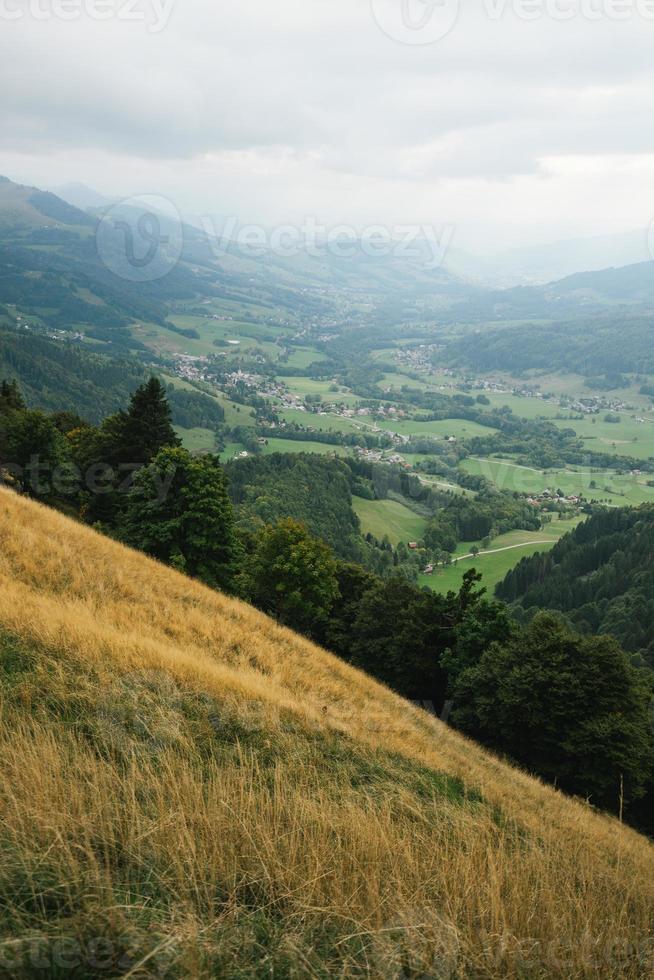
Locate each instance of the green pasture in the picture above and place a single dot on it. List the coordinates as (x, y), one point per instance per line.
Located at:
(442, 429)
(494, 567)
(605, 485)
(310, 386)
(303, 446)
(390, 518)
(197, 440)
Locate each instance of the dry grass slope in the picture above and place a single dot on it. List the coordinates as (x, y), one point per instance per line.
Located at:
(188, 790)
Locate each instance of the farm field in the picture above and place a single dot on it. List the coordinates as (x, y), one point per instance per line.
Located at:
(458, 428)
(494, 567)
(388, 517)
(610, 487)
(624, 438)
(323, 423)
(231, 450)
(397, 381)
(525, 408)
(310, 386)
(197, 440)
(575, 386)
(570, 385)
(235, 414)
(303, 357)
(166, 342)
(305, 446)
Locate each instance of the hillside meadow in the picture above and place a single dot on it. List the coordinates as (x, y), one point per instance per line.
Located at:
(189, 790)
(503, 554)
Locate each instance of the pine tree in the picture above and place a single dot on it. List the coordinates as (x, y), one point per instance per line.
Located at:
(126, 442)
(147, 425)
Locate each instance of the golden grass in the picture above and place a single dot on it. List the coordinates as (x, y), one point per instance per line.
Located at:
(189, 790)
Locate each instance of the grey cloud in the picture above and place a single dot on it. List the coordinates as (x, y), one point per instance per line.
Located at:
(315, 83)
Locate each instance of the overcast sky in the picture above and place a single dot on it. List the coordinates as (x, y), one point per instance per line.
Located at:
(513, 130)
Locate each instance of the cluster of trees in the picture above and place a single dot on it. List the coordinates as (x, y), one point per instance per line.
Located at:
(317, 491)
(313, 489)
(128, 476)
(331, 437)
(54, 375)
(485, 516)
(571, 708)
(600, 576)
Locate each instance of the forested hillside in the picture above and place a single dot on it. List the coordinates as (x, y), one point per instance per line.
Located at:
(601, 576)
(61, 376)
(312, 489)
(595, 346)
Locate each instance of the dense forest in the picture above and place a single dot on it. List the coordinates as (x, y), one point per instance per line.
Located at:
(601, 576)
(595, 347)
(312, 489)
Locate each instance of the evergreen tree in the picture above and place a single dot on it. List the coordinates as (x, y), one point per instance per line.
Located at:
(124, 443)
(399, 635)
(32, 450)
(353, 583)
(137, 435)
